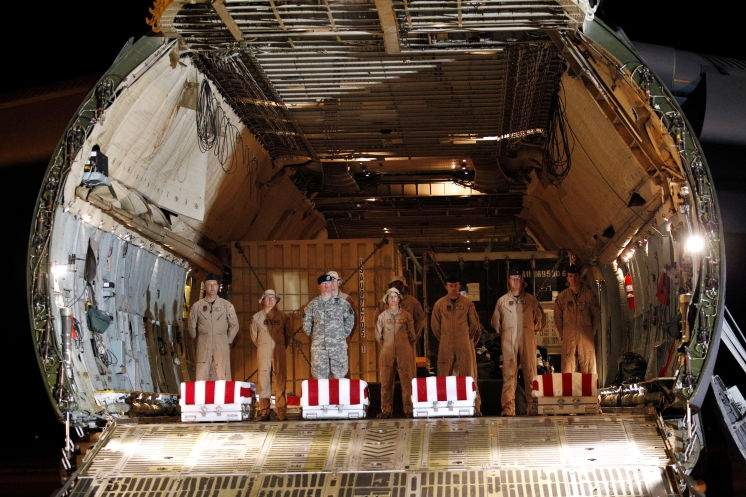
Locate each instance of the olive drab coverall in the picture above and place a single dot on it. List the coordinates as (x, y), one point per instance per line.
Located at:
(455, 324)
(270, 333)
(577, 316)
(517, 319)
(328, 323)
(396, 335)
(214, 325)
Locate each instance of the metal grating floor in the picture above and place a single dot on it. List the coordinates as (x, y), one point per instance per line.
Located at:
(610, 455)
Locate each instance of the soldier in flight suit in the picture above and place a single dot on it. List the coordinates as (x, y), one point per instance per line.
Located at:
(396, 335)
(576, 314)
(455, 323)
(213, 322)
(270, 333)
(517, 319)
(410, 304)
(328, 320)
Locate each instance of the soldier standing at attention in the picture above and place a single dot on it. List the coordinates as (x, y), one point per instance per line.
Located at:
(270, 333)
(213, 322)
(576, 314)
(396, 335)
(328, 320)
(410, 304)
(454, 322)
(517, 319)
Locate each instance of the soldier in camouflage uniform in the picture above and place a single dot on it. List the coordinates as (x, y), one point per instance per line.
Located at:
(328, 320)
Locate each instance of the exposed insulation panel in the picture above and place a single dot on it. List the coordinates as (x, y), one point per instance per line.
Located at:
(595, 193)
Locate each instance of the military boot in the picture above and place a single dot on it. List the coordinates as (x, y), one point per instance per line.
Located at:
(262, 410)
(281, 413)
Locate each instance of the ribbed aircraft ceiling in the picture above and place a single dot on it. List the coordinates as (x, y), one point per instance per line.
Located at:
(347, 83)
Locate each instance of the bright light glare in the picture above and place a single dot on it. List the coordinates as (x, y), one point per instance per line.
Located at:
(59, 270)
(694, 244)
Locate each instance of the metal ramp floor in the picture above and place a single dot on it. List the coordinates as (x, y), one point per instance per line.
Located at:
(609, 455)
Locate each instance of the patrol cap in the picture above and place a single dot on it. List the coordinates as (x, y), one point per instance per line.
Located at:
(269, 293)
(515, 272)
(453, 278)
(334, 275)
(324, 278)
(389, 293)
(212, 276)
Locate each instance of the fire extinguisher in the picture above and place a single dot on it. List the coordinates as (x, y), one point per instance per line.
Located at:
(630, 292)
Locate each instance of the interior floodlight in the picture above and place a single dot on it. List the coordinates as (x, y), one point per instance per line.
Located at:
(695, 244)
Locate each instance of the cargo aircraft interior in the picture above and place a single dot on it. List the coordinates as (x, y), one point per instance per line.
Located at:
(265, 142)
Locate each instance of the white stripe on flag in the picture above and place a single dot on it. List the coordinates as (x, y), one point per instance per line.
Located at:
(451, 388)
(220, 392)
(199, 393)
(344, 391)
(432, 389)
(324, 392)
(304, 393)
(556, 385)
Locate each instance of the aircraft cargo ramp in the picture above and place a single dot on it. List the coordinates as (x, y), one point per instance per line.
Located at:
(608, 455)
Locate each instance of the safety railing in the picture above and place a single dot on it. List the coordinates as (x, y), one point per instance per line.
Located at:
(733, 338)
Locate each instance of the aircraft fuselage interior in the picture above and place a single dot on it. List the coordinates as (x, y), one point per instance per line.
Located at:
(268, 146)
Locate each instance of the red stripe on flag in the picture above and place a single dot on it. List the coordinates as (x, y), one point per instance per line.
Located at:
(461, 388)
(440, 387)
(421, 389)
(333, 391)
(567, 384)
(209, 392)
(313, 392)
(354, 392)
(189, 393)
(546, 380)
(230, 392)
(245, 392)
(587, 387)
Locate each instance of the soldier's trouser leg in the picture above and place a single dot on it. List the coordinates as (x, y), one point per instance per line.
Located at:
(475, 377)
(445, 358)
(386, 372)
(406, 368)
(279, 375)
(509, 373)
(338, 361)
(320, 363)
(222, 358)
(569, 347)
(464, 358)
(264, 379)
(202, 370)
(586, 352)
(527, 354)
(262, 409)
(204, 358)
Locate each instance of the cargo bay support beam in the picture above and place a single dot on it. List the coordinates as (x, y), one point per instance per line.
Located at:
(387, 17)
